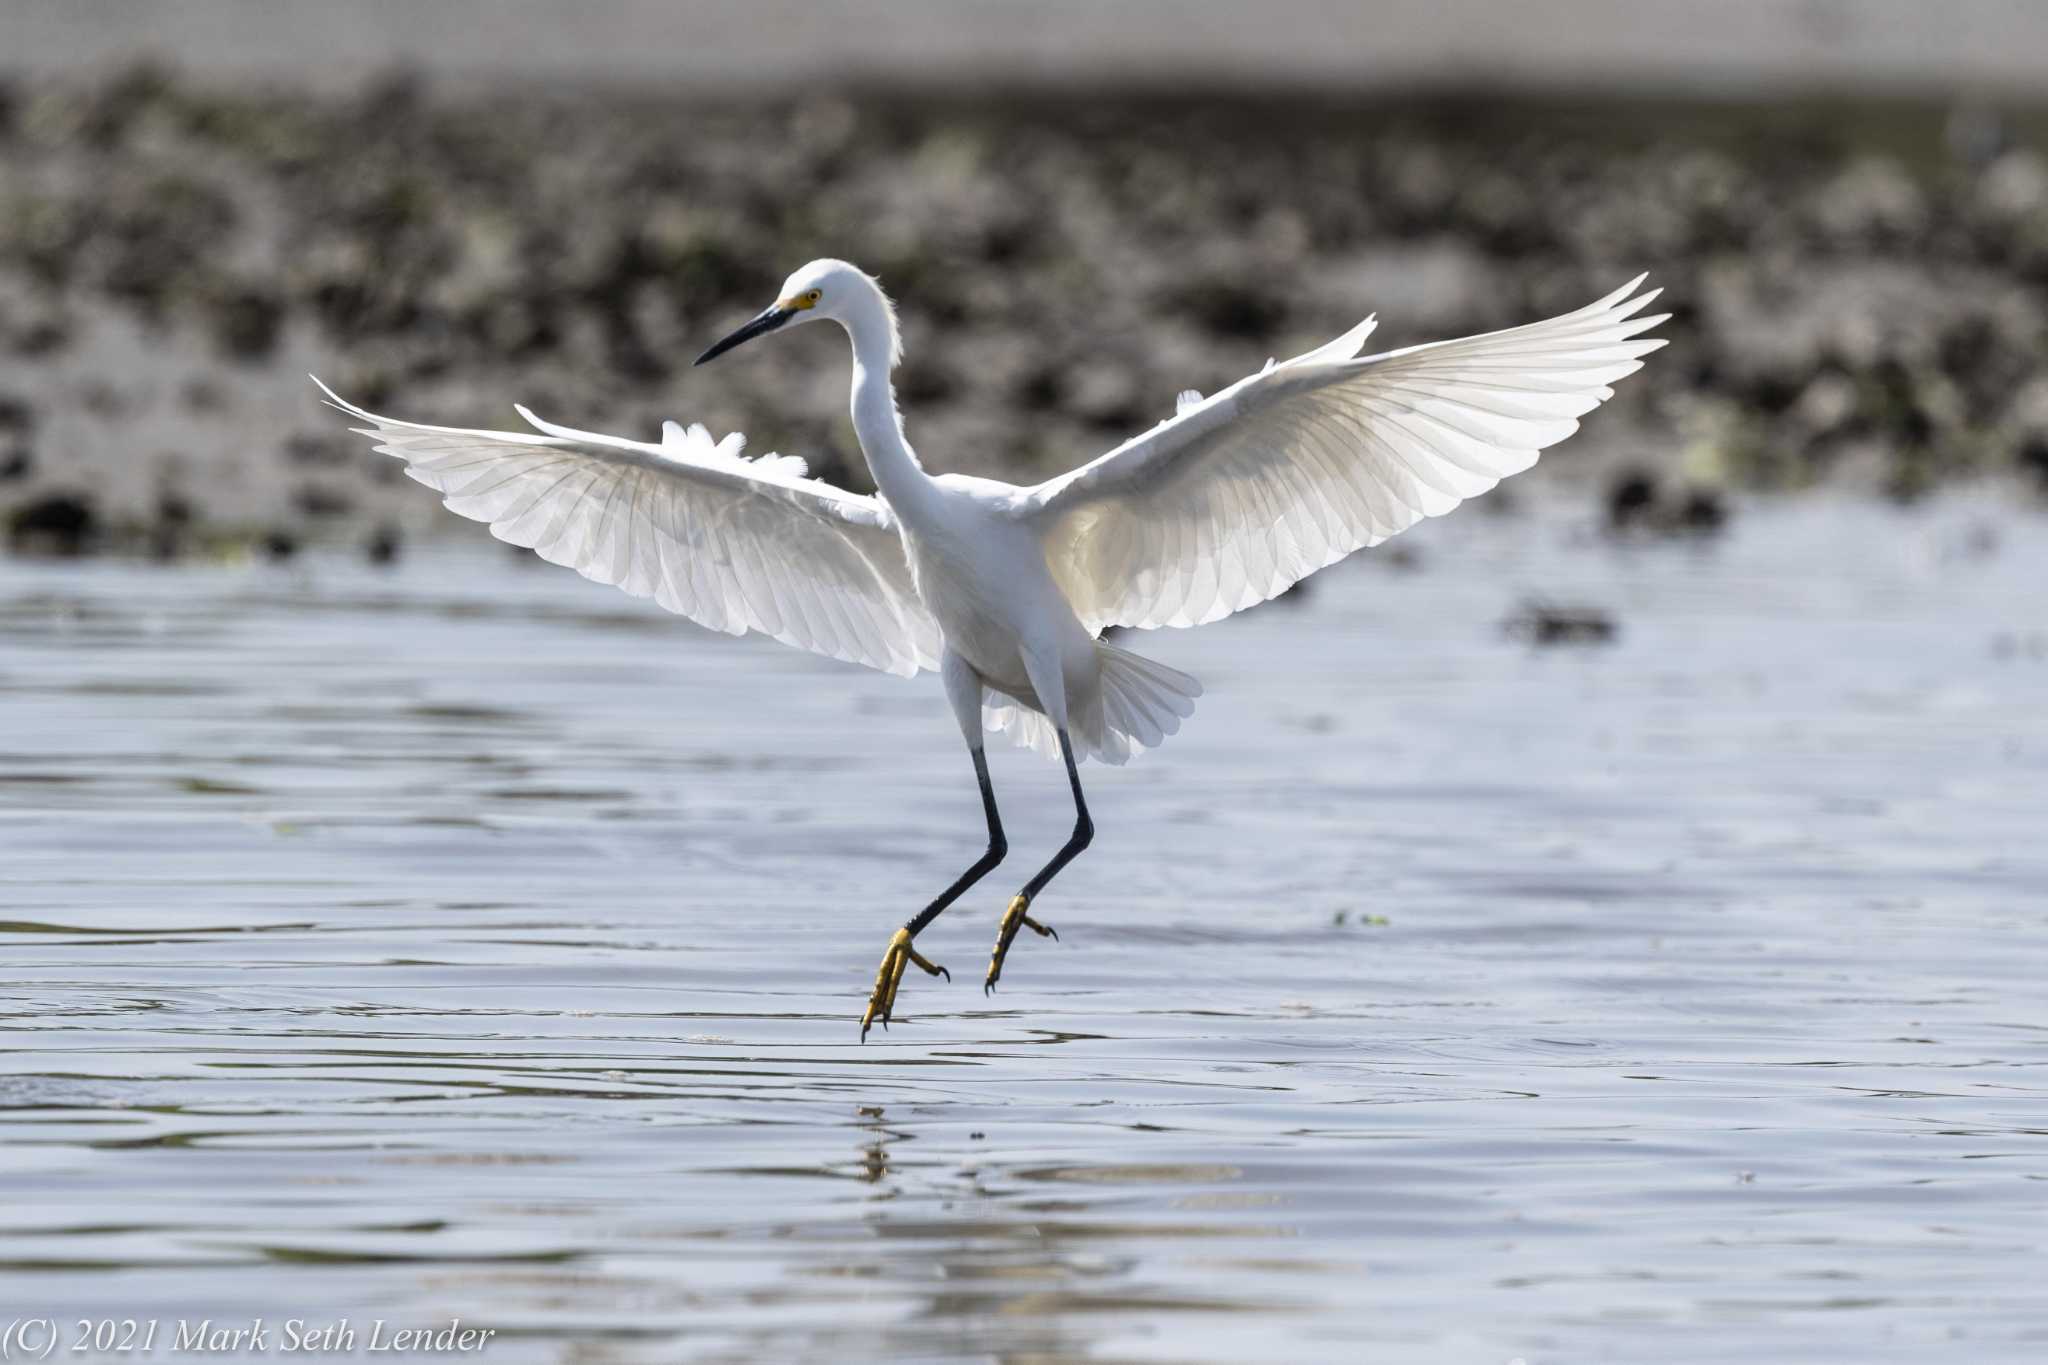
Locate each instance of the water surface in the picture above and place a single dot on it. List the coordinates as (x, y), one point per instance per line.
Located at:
(467, 940)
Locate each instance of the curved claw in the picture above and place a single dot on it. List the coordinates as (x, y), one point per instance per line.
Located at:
(1014, 918)
(882, 1000)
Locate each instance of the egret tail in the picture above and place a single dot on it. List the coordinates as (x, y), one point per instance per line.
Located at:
(1140, 702)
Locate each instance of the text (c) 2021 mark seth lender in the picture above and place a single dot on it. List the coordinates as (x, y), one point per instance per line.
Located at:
(28, 1339)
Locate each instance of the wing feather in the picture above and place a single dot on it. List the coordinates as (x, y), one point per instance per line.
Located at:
(731, 543)
(1242, 494)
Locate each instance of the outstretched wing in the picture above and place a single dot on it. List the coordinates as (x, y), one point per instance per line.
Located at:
(733, 544)
(1243, 494)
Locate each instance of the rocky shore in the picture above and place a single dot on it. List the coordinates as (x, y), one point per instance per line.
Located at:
(1859, 291)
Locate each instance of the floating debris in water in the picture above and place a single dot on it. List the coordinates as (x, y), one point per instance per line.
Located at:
(1552, 623)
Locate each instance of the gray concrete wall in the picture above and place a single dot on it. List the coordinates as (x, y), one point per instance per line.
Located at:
(1738, 47)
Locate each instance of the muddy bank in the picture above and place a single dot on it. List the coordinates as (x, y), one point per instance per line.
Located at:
(1859, 289)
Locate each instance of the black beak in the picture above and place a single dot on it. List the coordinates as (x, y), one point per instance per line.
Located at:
(762, 324)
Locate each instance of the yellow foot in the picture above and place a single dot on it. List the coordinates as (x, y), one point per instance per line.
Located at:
(1014, 919)
(883, 1000)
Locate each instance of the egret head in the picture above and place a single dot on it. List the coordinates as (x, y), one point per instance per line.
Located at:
(824, 289)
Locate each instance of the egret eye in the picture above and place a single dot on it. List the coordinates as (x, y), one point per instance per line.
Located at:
(812, 296)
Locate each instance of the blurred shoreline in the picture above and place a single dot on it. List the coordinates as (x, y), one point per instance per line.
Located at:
(1858, 284)
(1741, 49)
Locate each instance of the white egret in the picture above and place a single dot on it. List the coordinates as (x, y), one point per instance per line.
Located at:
(1005, 590)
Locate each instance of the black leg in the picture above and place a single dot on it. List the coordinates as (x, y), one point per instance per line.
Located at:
(998, 846)
(1084, 828)
(1016, 917)
(883, 999)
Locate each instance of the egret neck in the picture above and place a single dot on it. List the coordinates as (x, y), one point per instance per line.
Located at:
(876, 422)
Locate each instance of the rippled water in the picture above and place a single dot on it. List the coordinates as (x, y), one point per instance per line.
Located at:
(470, 941)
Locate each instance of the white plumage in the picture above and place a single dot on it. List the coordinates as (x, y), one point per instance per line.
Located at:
(1241, 495)
(1004, 589)
(731, 543)
(1228, 503)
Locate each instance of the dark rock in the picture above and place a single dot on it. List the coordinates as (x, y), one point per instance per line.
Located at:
(122, 100)
(924, 381)
(167, 534)
(383, 545)
(1702, 511)
(18, 420)
(204, 395)
(102, 399)
(1233, 309)
(1631, 499)
(173, 509)
(2032, 457)
(315, 500)
(279, 545)
(1040, 389)
(1402, 556)
(62, 523)
(1638, 505)
(322, 448)
(1550, 623)
(44, 336)
(246, 323)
